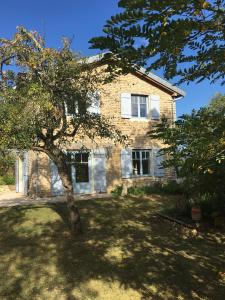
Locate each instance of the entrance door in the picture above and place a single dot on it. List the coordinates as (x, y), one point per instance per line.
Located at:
(81, 172)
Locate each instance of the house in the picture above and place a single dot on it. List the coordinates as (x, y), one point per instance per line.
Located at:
(135, 102)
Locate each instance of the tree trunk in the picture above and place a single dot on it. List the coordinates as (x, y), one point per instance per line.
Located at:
(64, 170)
(75, 219)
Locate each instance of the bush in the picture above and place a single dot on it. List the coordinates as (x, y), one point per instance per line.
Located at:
(171, 187)
(210, 204)
(7, 163)
(7, 180)
(136, 191)
(117, 192)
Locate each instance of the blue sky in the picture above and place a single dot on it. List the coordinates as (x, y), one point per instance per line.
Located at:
(82, 20)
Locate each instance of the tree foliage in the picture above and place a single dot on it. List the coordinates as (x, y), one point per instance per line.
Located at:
(195, 147)
(185, 38)
(7, 163)
(217, 103)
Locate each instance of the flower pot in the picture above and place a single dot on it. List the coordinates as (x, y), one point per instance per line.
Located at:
(196, 213)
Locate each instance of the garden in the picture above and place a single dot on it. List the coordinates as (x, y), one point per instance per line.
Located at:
(126, 252)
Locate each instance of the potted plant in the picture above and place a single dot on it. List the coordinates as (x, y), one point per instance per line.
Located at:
(196, 211)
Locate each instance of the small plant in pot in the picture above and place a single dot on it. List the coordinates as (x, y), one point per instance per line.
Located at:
(196, 211)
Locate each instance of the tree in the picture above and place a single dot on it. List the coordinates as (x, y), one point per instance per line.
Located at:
(217, 103)
(195, 147)
(38, 85)
(185, 38)
(7, 163)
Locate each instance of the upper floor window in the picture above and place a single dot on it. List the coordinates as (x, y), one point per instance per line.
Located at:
(139, 106)
(75, 107)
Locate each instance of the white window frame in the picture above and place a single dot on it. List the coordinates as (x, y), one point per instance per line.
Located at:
(66, 111)
(139, 109)
(141, 167)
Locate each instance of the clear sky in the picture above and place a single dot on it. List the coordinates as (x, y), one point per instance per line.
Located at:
(82, 20)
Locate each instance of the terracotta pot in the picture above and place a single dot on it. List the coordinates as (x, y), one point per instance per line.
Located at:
(196, 213)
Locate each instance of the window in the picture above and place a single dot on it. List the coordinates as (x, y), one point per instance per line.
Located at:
(139, 106)
(141, 162)
(73, 107)
(81, 166)
(90, 103)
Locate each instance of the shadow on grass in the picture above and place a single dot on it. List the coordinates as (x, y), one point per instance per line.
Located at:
(125, 253)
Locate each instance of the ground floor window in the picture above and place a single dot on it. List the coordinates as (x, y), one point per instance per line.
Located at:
(141, 162)
(81, 163)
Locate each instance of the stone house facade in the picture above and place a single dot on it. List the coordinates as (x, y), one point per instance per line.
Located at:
(133, 102)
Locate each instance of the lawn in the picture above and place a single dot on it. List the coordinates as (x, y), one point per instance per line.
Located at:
(125, 253)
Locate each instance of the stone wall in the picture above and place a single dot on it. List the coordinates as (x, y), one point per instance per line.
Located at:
(39, 182)
(136, 130)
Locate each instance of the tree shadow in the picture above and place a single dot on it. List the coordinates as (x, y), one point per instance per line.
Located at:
(125, 249)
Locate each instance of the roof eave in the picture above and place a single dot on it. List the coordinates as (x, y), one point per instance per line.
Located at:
(178, 93)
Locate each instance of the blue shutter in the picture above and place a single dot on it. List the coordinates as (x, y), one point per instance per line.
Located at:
(56, 182)
(126, 105)
(126, 163)
(155, 107)
(158, 159)
(100, 170)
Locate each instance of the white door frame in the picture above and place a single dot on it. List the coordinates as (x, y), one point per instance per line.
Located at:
(83, 187)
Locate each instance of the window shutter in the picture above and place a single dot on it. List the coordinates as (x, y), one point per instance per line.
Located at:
(155, 107)
(99, 170)
(94, 108)
(56, 182)
(126, 105)
(126, 163)
(158, 159)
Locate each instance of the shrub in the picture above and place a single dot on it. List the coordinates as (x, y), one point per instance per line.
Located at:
(171, 187)
(7, 163)
(117, 192)
(210, 204)
(136, 191)
(7, 180)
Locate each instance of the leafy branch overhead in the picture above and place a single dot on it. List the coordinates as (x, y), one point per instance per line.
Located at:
(186, 38)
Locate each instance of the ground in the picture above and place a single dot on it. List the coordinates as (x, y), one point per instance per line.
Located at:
(126, 252)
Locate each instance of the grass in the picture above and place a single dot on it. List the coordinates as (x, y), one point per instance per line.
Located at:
(125, 253)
